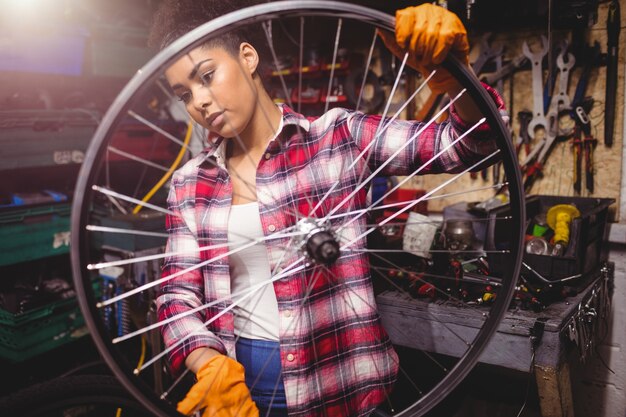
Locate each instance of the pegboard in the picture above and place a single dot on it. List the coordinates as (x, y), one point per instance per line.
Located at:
(558, 170)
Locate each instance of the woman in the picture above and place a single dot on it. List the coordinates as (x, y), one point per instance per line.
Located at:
(315, 344)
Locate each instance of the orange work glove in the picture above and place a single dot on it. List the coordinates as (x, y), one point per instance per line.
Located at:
(429, 33)
(221, 390)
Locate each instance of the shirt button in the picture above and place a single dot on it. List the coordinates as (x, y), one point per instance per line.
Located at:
(268, 155)
(290, 357)
(288, 313)
(271, 228)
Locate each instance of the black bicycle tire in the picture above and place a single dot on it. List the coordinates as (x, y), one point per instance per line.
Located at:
(189, 41)
(44, 398)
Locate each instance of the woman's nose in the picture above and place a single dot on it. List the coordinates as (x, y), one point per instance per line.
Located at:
(202, 98)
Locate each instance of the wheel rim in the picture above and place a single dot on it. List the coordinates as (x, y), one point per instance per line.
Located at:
(82, 240)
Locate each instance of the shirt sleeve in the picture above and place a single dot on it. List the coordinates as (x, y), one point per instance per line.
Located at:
(402, 146)
(181, 298)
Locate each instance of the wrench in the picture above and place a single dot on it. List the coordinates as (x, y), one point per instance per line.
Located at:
(559, 102)
(505, 71)
(486, 53)
(536, 58)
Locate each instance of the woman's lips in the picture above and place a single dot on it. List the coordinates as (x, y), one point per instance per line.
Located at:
(215, 119)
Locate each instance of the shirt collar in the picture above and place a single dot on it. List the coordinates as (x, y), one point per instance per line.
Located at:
(217, 145)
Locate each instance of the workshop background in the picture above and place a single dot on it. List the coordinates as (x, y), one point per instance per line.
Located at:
(67, 67)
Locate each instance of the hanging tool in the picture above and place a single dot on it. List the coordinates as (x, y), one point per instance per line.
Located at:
(523, 139)
(486, 52)
(533, 170)
(562, 98)
(587, 144)
(559, 103)
(590, 56)
(577, 147)
(612, 44)
(536, 59)
(505, 71)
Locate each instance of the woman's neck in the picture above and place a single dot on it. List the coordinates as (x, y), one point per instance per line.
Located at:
(261, 129)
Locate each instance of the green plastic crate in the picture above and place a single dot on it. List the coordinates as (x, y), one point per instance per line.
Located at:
(33, 332)
(44, 138)
(28, 334)
(34, 233)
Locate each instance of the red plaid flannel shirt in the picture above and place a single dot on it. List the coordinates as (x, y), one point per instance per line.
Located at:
(336, 358)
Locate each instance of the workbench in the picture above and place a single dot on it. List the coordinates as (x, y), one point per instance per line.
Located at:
(438, 326)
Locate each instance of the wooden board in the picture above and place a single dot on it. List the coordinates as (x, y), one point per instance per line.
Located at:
(558, 169)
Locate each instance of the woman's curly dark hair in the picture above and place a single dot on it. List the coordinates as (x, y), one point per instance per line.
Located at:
(175, 18)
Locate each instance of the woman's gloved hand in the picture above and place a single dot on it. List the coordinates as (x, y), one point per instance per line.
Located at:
(221, 390)
(429, 33)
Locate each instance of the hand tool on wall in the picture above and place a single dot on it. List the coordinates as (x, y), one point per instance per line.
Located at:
(486, 53)
(612, 29)
(523, 139)
(589, 144)
(536, 60)
(586, 147)
(533, 170)
(505, 71)
(559, 102)
(577, 147)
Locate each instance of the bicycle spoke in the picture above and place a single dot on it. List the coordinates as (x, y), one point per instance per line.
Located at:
(332, 67)
(135, 158)
(351, 305)
(267, 29)
(157, 129)
(376, 207)
(414, 173)
(217, 316)
(95, 228)
(241, 295)
(129, 199)
(366, 69)
(301, 64)
(301, 146)
(479, 313)
(411, 205)
(171, 276)
(396, 153)
(465, 342)
(372, 143)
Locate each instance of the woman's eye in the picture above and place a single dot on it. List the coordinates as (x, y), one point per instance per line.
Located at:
(185, 97)
(206, 77)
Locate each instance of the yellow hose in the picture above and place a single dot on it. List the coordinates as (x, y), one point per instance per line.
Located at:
(170, 171)
(142, 357)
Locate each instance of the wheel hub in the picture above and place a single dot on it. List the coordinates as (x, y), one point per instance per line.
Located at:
(318, 242)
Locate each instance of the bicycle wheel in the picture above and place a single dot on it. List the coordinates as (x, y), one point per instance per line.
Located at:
(108, 241)
(78, 396)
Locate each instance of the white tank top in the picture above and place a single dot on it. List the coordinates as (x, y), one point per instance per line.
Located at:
(256, 317)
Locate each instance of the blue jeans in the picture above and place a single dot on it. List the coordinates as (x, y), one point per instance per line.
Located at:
(261, 360)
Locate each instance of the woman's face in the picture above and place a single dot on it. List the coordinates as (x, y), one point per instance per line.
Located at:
(216, 87)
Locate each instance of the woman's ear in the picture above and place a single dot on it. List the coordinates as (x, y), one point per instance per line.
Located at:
(249, 57)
